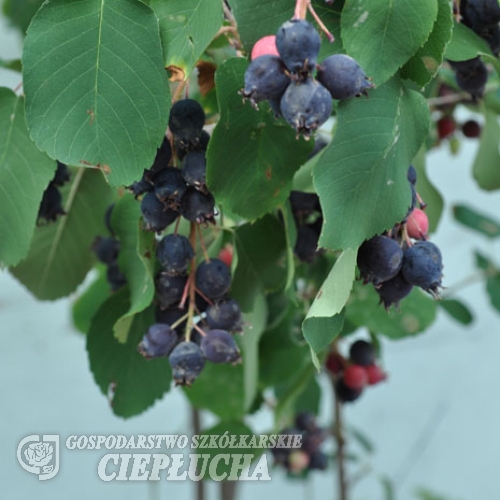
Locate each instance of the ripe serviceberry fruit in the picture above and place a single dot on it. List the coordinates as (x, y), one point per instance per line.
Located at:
(213, 278)
(303, 205)
(162, 159)
(115, 277)
(183, 149)
(355, 377)
(106, 249)
(158, 341)
(379, 259)
(225, 315)
(265, 78)
(417, 224)
(62, 175)
(174, 252)
(362, 353)
(298, 44)
(51, 204)
(471, 129)
(155, 214)
(471, 75)
(305, 421)
(343, 77)
(265, 46)
(197, 206)
(193, 171)
(187, 362)
(169, 289)
(318, 461)
(186, 121)
(335, 363)
(306, 245)
(422, 266)
(219, 346)
(306, 106)
(169, 186)
(394, 290)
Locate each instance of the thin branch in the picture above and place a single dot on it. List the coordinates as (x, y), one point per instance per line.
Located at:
(339, 438)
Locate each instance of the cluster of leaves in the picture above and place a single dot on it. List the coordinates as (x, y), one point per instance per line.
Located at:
(96, 96)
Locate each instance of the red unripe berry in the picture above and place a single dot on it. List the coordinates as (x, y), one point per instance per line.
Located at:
(355, 377)
(226, 255)
(335, 363)
(375, 374)
(471, 129)
(265, 46)
(417, 224)
(446, 126)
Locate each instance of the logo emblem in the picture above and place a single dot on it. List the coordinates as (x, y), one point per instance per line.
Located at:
(39, 455)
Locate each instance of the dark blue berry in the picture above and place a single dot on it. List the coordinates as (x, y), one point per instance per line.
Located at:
(197, 206)
(158, 341)
(225, 315)
(394, 290)
(187, 362)
(193, 171)
(186, 122)
(174, 252)
(156, 215)
(213, 278)
(106, 249)
(362, 353)
(219, 346)
(169, 289)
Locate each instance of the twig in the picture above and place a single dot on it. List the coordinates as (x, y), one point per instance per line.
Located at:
(339, 438)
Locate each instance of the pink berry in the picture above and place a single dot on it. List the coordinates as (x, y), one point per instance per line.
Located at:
(375, 374)
(226, 255)
(355, 377)
(265, 46)
(417, 224)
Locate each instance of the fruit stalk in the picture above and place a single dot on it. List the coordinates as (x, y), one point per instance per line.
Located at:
(340, 441)
(191, 291)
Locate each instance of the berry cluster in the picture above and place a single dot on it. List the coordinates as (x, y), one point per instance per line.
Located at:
(195, 318)
(482, 17)
(308, 217)
(354, 374)
(282, 74)
(309, 456)
(170, 191)
(394, 264)
(106, 249)
(51, 204)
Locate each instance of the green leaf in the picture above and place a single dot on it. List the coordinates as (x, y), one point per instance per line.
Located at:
(60, 254)
(431, 196)
(424, 65)
(310, 398)
(259, 249)
(324, 320)
(485, 168)
(389, 489)
(282, 355)
(483, 263)
(132, 382)
(228, 429)
(465, 44)
(96, 89)
(361, 176)
(89, 302)
(136, 260)
(416, 313)
(20, 12)
(457, 310)
(493, 290)
(219, 389)
(13, 65)
(474, 220)
(383, 35)
(252, 157)
(362, 439)
(186, 27)
(24, 174)
(255, 323)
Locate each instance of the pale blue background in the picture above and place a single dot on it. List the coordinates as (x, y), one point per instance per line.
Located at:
(436, 423)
